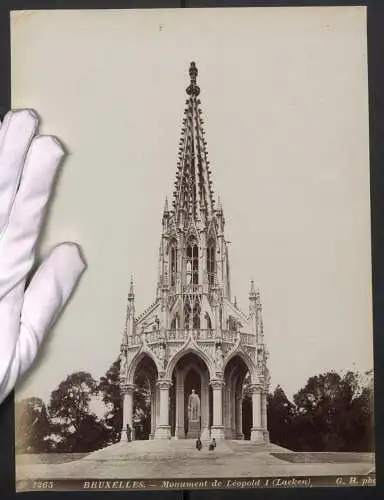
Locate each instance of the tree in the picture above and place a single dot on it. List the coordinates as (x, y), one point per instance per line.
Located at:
(32, 425)
(281, 414)
(334, 413)
(109, 389)
(142, 412)
(79, 429)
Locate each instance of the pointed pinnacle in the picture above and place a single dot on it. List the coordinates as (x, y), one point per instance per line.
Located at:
(131, 290)
(219, 205)
(258, 299)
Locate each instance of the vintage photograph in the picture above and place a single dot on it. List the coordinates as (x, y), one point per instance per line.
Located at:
(217, 179)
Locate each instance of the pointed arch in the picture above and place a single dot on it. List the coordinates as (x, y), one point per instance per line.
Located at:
(172, 257)
(192, 260)
(190, 347)
(247, 361)
(211, 260)
(212, 229)
(132, 368)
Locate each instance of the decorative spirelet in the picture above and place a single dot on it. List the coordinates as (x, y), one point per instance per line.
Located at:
(193, 89)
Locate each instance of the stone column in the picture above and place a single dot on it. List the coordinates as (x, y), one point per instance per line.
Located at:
(239, 417)
(163, 430)
(217, 429)
(153, 412)
(264, 420)
(205, 409)
(127, 391)
(257, 430)
(179, 428)
(233, 413)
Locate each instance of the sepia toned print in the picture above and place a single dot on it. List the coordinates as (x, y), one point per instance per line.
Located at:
(189, 398)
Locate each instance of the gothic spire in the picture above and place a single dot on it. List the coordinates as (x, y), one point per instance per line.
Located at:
(193, 187)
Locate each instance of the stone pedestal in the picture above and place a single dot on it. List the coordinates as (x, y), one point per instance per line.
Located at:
(163, 432)
(179, 433)
(217, 432)
(257, 434)
(205, 434)
(193, 429)
(257, 431)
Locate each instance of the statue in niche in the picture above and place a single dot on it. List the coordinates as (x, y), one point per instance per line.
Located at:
(260, 357)
(189, 272)
(161, 355)
(123, 367)
(193, 407)
(143, 334)
(219, 358)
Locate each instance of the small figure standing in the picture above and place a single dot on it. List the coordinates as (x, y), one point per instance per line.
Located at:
(212, 444)
(199, 444)
(129, 433)
(219, 358)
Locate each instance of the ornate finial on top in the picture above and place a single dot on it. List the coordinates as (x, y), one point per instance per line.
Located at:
(252, 292)
(131, 291)
(193, 71)
(193, 89)
(166, 210)
(258, 299)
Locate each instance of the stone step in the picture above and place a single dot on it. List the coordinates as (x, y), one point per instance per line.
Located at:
(170, 447)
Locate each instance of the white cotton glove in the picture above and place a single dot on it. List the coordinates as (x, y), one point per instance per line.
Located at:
(28, 165)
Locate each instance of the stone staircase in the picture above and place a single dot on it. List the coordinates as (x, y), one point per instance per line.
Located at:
(172, 448)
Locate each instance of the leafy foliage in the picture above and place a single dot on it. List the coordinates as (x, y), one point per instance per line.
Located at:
(32, 426)
(280, 417)
(69, 407)
(142, 412)
(331, 413)
(109, 389)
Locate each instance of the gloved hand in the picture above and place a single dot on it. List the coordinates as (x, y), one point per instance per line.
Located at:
(28, 165)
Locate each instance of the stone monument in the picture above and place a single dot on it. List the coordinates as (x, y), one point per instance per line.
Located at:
(193, 415)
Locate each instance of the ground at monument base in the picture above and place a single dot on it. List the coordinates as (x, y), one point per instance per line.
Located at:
(180, 459)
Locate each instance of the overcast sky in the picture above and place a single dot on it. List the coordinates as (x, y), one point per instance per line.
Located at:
(284, 98)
